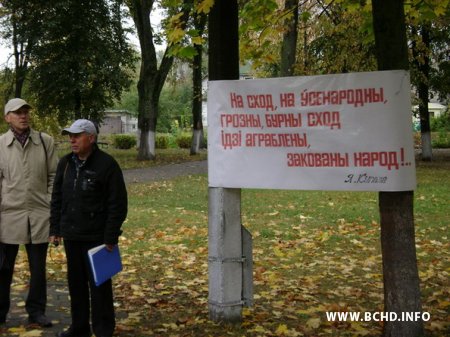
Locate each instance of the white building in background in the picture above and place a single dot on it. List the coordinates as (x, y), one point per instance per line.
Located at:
(435, 109)
(119, 121)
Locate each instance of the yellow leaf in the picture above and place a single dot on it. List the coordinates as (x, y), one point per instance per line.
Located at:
(311, 310)
(324, 236)
(282, 330)
(360, 331)
(171, 326)
(198, 40)
(313, 323)
(443, 304)
(278, 252)
(175, 18)
(259, 329)
(175, 35)
(246, 312)
(205, 6)
(32, 333)
(18, 330)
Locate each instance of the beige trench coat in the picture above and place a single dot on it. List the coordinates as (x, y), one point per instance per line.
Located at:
(26, 182)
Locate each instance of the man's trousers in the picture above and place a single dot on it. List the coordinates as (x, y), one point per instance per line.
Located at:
(99, 304)
(37, 295)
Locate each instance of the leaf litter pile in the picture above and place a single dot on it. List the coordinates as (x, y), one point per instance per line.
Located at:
(313, 252)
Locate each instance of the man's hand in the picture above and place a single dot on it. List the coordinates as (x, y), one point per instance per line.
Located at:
(55, 240)
(109, 247)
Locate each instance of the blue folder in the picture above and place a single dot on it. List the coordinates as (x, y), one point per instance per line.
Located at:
(104, 264)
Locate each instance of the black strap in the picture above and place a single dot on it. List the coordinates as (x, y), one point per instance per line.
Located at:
(46, 154)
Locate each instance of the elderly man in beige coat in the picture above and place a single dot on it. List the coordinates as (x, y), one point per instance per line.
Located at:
(27, 168)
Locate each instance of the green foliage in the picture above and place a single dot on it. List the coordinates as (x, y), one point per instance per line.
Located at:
(21, 27)
(129, 98)
(175, 105)
(326, 37)
(184, 140)
(260, 30)
(181, 31)
(441, 123)
(347, 30)
(162, 140)
(48, 123)
(3, 126)
(123, 141)
(83, 60)
(442, 140)
(429, 36)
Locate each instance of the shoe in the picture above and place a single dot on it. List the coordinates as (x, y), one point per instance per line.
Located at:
(41, 320)
(70, 333)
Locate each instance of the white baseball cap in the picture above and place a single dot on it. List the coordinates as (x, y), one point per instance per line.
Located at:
(15, 104)
(79, 126)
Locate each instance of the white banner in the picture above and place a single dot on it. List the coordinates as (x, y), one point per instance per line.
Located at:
(331, 132)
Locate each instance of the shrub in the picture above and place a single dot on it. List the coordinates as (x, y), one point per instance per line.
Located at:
(441, 123)
(184, 140)
(441, 141)
(124, 142)
(162, 141)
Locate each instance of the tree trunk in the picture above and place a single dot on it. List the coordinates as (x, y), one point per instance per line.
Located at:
(19, 81)
(197, 132)
(223, 61)
(151, 79)
(424, 76)
(400, 274)
(146, 112)
(146, 124)
(19, 58)
(289, 46)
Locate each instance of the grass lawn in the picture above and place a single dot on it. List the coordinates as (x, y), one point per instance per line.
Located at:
(313, 252)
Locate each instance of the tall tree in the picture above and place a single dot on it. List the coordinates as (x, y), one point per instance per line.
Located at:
(429, 36)
(82, 61)
(197, 79)
(289, 45)
(421, 61)
(400, 273)
(152, 78)
(21, 27)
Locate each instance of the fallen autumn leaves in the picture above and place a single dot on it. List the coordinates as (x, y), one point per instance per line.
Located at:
(313, 252)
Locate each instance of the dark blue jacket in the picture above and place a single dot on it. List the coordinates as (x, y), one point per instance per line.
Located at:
(92, 206)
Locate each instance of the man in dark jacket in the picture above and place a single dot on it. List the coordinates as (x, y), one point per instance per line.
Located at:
(88, 207)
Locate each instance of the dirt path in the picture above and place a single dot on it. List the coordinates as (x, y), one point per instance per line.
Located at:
(165, 172)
